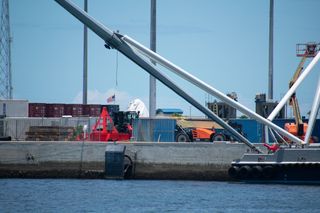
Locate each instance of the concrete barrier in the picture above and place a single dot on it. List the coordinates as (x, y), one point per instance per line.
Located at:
(188, 161)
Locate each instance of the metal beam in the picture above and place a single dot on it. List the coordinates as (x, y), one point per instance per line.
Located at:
(293, 88)
(197, 82)
(115, 40)
(313, 114)
(152, 80)
(9, 50)
(270, 83)
(85, 59)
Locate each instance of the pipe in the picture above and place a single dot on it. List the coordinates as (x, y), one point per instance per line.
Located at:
(313, 114)
(294, 87)
(270, 80)
(279, 136)
(266, 134)
(197, 82)
(115, 40)
(85, 59)
(130, 53)
(152, 80)
(103, 32)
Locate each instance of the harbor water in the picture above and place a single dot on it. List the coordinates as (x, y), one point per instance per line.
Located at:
(73, 195)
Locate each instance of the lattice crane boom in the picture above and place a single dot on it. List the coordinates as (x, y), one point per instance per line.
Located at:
(5, 52)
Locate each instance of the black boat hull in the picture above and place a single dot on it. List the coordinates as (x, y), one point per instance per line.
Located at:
(287, 165)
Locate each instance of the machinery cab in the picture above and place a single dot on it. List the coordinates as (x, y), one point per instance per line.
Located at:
(123, 120)
(117, 127)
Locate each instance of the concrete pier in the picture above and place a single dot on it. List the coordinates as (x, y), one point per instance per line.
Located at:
(184, 161)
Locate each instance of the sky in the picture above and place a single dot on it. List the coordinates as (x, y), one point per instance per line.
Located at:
(222, 42)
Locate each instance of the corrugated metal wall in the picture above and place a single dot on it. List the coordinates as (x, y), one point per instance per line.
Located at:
(14, 108)
(251, 129)
(254, 131)
(158, 130)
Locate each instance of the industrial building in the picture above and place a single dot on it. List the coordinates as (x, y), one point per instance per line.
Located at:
(223, 110)
(264, 107)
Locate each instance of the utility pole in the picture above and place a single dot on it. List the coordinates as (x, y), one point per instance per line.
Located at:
(85, 59)
(5, 53)
(152, 80)
(270, 84)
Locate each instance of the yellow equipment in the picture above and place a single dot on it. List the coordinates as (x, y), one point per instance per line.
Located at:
(299, 128)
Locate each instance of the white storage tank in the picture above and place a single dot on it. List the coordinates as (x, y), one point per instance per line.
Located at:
(14, 108)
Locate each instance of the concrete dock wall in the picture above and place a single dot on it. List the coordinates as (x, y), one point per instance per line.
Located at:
(193, 161)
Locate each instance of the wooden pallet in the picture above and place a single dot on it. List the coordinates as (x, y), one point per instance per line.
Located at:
(49, 133)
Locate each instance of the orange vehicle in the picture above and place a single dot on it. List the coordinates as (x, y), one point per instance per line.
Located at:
(203, 134)
(299, 130)
(192, 134)
(202, 130)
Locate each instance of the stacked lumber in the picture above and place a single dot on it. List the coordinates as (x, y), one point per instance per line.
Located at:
(49, 133)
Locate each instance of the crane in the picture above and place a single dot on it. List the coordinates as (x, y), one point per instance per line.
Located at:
(304, 51)
(130, 48)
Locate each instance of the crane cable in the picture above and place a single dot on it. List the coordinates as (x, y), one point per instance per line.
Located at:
(117, 67)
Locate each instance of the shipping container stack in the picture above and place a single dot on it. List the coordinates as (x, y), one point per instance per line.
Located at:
(91, 110)
(37, 110)
(74, 110)
(54, 110)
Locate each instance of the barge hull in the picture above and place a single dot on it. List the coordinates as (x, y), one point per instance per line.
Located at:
(287, 165)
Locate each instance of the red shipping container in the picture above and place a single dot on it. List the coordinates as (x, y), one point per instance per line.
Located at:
(37, 110)
(92, 110)
(68, 109)
(75, 110)
(54, 110)
(86, 110)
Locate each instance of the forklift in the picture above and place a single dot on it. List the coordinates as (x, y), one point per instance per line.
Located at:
(115, 128)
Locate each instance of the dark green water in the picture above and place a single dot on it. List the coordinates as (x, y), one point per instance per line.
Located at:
(61, 195)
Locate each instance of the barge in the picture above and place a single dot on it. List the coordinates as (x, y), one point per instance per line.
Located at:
(286, 165)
